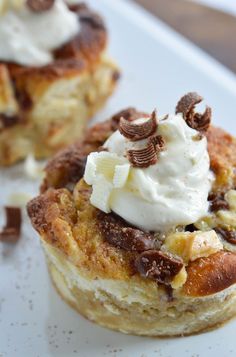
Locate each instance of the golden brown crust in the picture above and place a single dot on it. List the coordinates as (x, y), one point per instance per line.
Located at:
(56, 215)
(83, 52)
(136, 322)
(222, 151)
(63, 222)
(44, 109)
(210, 275)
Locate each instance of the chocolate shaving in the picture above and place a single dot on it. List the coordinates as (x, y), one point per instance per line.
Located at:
(136, 132)
(40, 5)
(117, 232)
(217, 202)
(144, 157)
(129, 114)
(94, 21)
(158, 266)
(78, 7)
(11, 231)
(186, 106)
(149, 155)
(227, 234)
(158, 142)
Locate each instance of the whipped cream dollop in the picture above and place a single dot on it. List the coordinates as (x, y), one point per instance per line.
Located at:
(28, 37)
(171, 192)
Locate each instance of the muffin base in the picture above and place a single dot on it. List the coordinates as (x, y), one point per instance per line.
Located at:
(60, 113)
(119, 305)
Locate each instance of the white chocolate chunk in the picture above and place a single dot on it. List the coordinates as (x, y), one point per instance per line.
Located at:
(106, 163)
(101, 194)
(191, 246)
(179, 279)
(121, 175)
(103, 163)
(90, 169)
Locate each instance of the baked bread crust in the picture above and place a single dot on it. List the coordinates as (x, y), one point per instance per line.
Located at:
(70, 231)
(43, 109)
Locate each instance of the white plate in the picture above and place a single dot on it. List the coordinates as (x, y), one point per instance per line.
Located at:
(158, 67)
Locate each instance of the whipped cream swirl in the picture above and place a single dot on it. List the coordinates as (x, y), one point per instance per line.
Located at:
(28, 38)
(162, 196)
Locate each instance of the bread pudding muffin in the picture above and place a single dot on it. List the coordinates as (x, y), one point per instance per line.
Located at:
(54, 75)
(138, 222)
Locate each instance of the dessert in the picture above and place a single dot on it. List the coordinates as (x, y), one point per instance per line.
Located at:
(54, 75)
(138, 222)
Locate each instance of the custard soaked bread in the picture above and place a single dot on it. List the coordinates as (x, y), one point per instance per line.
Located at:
(144, 265)
(47, 97)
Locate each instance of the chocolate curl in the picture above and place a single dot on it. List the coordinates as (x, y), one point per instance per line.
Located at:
(149, 155)
(158, 142)
(186, 106)
(144, 157)
(40, 5)
(11, 231)
(136, 132)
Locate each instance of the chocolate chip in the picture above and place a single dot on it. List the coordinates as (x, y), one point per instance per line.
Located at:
(24, 100)
(136, 132)
(169, 292)
(217, 202)
(9, 120)
(11, 231)
(118, 233)
(190, 228)
(227, 234)
(186, 106)
(156, 265)
(40, 5)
